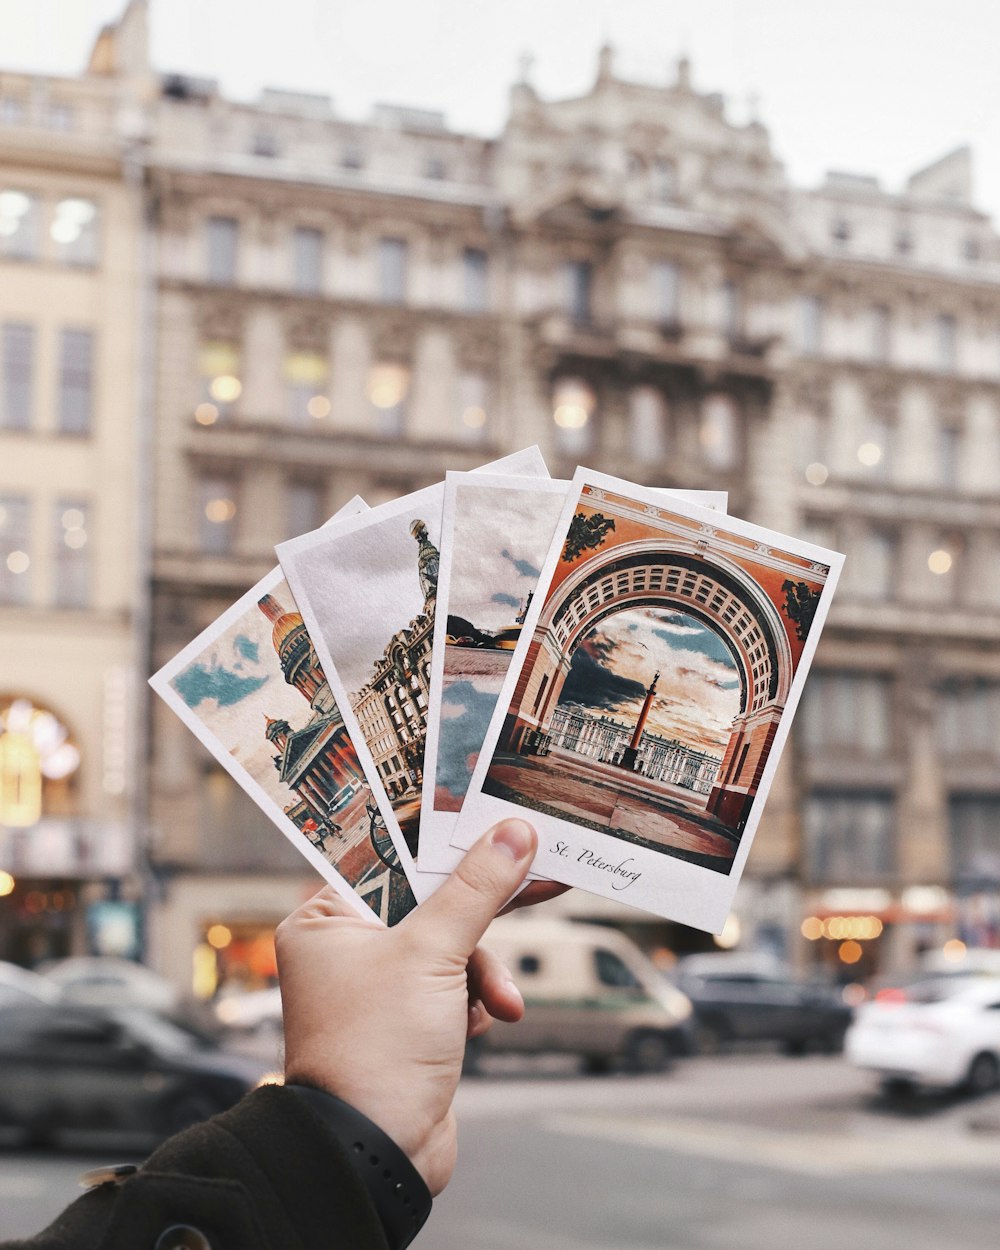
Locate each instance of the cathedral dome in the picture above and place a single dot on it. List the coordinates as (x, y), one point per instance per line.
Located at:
(285, 623)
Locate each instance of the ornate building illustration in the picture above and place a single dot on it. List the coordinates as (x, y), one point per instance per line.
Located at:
(606, 739)
(316, 760)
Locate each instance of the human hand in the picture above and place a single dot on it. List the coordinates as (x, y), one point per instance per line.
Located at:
(379, 1017)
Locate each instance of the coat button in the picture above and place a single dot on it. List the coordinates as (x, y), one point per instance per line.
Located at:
(182, 1237)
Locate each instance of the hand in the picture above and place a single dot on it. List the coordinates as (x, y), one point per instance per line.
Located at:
(379, 1017)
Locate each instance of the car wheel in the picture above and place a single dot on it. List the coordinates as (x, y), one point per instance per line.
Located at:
(596, 1065)
(897, 1087)
(984, 1074)
(647, 1052)
(710, 1035)
(795, 1046)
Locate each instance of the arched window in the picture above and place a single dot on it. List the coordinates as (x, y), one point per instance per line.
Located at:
(38, 760)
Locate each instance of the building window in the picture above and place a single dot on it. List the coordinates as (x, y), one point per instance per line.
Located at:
(61, 117)
(74, 230)
(731, 307)
(840, 230)
(875, 564)
(573, 407)
(304, 507)
(666, 276)
(266, 143)
(969, 718)
(875, 450)
(216, 515)
(579, 277)
(719, 433)
(392, 258)
(352, 157)
(473, 406)
(949, 448)
(71, 562)
(15, 547)
(12, 111)
(222, 238)
(76, 381)
(878, 333)
(38, 760)
(971, 249)
(973, 821)
(847, 712)
(663, 178)
(848, 837)
(903, 242)
(17, 354)
(810, 325)
(474, 280)
(647, 424)
(945, 341)
(307, 260)
(219, 369)
(435, 169)
(20, 214)
(388, 387)
(306, 383)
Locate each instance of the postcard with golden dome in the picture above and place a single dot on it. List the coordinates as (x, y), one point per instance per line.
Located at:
(253, 691)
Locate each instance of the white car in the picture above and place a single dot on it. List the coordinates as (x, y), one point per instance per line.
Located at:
(951, 1041)
(19, 987)
(106, 981)
(251, 1010)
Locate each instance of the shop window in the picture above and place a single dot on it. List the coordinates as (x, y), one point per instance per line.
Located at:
(38, 761)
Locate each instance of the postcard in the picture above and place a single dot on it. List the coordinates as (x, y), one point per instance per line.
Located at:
(495, 535)
(252, 689)
(651, 691)
(367, 590)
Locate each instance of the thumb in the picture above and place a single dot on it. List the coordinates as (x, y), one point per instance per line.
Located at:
(458, 914)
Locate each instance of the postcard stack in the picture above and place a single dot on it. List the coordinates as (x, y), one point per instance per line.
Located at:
(617, 664)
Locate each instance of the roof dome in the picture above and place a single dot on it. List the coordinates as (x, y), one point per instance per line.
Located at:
(285, 623)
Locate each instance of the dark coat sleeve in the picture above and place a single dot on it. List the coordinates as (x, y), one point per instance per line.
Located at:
(267, 1175)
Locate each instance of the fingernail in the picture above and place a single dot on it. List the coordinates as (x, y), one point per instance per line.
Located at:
(514, 837)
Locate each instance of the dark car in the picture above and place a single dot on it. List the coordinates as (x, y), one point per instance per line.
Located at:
(71, 1070)
(748, 1005)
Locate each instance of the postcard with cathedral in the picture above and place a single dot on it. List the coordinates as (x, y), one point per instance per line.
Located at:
(367, 588)
(495, 535)
(641, 720)
(251, 688)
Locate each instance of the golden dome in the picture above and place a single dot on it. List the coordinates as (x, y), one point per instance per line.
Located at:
(284, 627)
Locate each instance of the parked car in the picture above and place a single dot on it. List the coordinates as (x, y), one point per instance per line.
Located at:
(588, 991)
(949, 1040)
(19, 986)
(250, 1011)
(739, 998)
(105, 980)
(123, 1069)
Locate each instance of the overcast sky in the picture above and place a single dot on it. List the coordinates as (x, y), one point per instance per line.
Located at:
(873, 86)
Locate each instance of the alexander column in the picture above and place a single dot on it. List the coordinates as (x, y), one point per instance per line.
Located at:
(630, 756)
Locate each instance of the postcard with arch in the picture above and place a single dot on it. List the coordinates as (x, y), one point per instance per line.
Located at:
(652, 689)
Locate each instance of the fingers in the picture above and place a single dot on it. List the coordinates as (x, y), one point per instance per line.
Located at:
(491, 985)
(456, 916)
(480, 1021)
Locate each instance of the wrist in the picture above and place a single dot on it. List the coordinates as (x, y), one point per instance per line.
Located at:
(395, 1186)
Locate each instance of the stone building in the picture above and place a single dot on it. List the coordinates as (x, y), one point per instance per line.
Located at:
(604, 738)
(71, 473)
(629, 279)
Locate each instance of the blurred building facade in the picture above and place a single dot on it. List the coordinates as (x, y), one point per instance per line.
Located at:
(629, 279)
(71, 206)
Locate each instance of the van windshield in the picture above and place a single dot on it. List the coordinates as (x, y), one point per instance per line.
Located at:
(611, 971)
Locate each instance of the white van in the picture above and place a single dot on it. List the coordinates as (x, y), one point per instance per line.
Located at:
(588, 991)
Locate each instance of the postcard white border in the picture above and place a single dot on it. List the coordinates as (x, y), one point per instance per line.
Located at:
(668, 887)
(161, 683)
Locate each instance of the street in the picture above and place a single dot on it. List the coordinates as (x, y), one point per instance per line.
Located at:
(751, 1150)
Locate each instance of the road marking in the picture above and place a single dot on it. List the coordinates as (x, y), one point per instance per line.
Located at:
(808, 1153)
